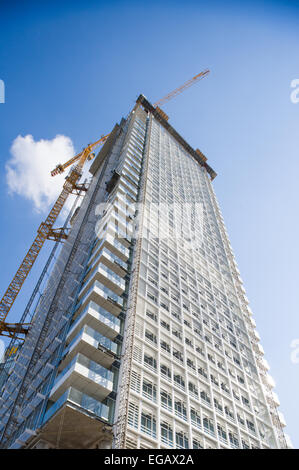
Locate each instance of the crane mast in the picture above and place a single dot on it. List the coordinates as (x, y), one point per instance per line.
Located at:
(44, 232)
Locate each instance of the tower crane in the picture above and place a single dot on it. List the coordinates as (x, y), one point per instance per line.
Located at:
(44, 232)
(46, 229)
(88, 150)
(181, 88)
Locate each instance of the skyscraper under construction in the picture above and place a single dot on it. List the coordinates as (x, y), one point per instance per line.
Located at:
(143, 337)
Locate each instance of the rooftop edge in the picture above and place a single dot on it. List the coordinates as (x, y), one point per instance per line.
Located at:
(197, 155)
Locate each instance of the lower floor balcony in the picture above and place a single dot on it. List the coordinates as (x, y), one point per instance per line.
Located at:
(98, 319)
(102, 296)
(84, 374)
(92, 344)
(75, 421)
(82, 401)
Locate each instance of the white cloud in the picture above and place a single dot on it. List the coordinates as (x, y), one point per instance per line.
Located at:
(28, 170)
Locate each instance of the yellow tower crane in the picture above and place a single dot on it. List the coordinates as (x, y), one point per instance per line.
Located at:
(46, 230)
(181, 88)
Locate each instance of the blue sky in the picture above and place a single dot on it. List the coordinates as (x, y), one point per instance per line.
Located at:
(75, 68)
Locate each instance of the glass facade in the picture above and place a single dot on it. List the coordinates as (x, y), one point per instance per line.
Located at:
(190, 365)
(198, 377)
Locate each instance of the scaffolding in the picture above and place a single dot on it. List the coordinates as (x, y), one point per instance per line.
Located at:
(15, 343)
(52, 314)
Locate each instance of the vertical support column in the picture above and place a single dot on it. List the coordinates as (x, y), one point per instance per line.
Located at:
(128, 344)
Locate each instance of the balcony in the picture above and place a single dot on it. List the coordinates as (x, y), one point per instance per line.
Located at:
(131, 167)
(270, 381)
(98, 319)
(106, 277)
(132, 157)
(121, 197)
(93, 345)
(80, 399)
(121, 224)
(256, 334)
(103, 297)
(126, 210)
(126, 206)
(118, 213)
(85, 374)
(109, 259)
(75, 421)
(264, 363)
(132, 188)
(119, 236)
(273, 398)
(117, 248)
(130, 177)
(281, 419)
(113, 245)
(124, 190)
(114, 262)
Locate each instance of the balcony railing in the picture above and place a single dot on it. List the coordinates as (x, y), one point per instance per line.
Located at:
(90, 369)
(80, 399)
(100, 340)
(99, 314)
(113, 258)
(104, 292)
(107, 277)
(127, 192)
